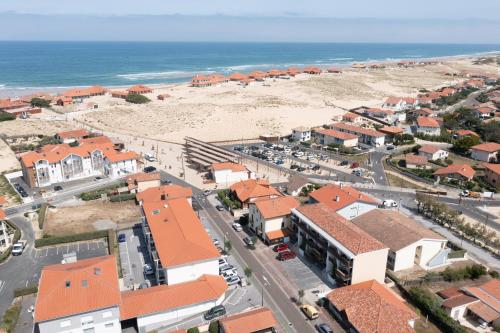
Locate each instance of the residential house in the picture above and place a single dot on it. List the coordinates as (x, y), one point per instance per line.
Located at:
(423, 112)
(329, 136)
(456, 302)
(370, 307)
(416, 162)
(485, 112)
(72, 136)
(139, 89)
(487, 311)
(18, 107)
(395, 103)
(432, 153)
(460, 172)
(270, 219)
(344, 200)
(385, 115)
(228, 173)
(62, 163)
(179, 247)
(301, 134)
(345, 253)
(486, 152)
(163, 193)
(78, 94)
(390, 132)
(248, 191)
(492, 174)
(352, 118)
(142, 181)
(260, 320)
(409, 243)
(428, 125)
(365, 135)
(463, 133)
(295, 184)
(6, 234)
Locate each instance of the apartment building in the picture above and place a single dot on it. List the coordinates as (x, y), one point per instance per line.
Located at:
(301, 134)
(365, 135)
(251, 190)
(329, 136)
(346, 254)
(228, 173)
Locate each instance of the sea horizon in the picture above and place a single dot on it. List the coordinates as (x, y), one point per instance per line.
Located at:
(53, 66)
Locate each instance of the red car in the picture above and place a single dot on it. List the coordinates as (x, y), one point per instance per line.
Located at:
(286, 255)
(355, 165)
(280, 247)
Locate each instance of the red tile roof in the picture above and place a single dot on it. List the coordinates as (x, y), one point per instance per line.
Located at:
(139, 89)
(252, 189)
(345, 232)
(178, 233)
(429, 149)
(337, 134)
(351, 116)
(489, 147)
(463, 132)
(164, 192)
(427, 122)
(458, 300)
(234, 167)
(393, 100)
(162, 298)
(372, 308)
(391, 130)
(2, 214)
(461, 169)
(495, 168)
(83, 286)
(276, 207)
(346, 195)
(79, 133)
(249, 322)
(488, 293)
(415, 159)
(357, 129)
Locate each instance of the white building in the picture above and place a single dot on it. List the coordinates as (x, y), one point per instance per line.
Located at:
(344, 200)
(5, 234)
(365, 135)
(301, 134)
(486, 152)
(428, 125)
(270, 219)
(228, 173)
(409, 243)
(432, 153)
(329, 136)
(63, 163)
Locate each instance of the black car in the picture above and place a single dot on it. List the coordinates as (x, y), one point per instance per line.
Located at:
(316, 167)
(149, 169)
(345, 162)
(294, 166)
(216, 311)
(166, 182)
(58, 188)
(324, 328)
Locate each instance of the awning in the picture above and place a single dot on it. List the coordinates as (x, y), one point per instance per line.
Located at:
(280, 233)
(484, 312)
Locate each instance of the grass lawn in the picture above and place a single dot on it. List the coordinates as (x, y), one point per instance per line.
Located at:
(7, 190)
(400, 182)
(457, 159)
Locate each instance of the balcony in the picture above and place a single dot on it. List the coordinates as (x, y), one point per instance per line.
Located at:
(344, 260)
(341, 275)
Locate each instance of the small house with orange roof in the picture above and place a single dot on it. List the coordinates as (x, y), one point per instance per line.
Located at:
(463, 133)
(460, 172)
(352, 118)
(395, 103)
(63, 100)
(486, 312)
(391, 131)
(428, 125)
(260, 320)
(422, 112)
(228, 173)
(432, 152)
(293, 71)
(485, 112)
(486, 152)
(142, 181)
(334, 70)
(270, 219)
(365, 135)
(249, 191)
(492, 174)
(312, 70)
(344, 200)
(329, 136)
(72, 136)
(119, 94)
(257, 76)
(237, 77)
(345, 253)
(416, 162)
(370, 307)
(139, 89)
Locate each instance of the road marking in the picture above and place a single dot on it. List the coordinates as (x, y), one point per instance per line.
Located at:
(2, 284)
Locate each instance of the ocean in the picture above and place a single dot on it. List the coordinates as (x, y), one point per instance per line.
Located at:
(31, 66)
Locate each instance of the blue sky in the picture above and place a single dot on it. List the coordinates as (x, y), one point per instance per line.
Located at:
(437, 21)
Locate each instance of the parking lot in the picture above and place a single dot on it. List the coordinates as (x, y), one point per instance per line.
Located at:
(133, 257)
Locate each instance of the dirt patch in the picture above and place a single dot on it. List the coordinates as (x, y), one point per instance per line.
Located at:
(90, 217)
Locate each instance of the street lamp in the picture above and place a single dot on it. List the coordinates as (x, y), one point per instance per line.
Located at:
(265, 284)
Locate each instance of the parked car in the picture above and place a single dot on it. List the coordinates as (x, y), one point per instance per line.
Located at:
(280, 247)
(229, 273)
(122, 238)
(286, 255)
(224, 268)
(220, 208)
(58, 188)
(149, 169)
(216, 311)
(248, 241)
(222, 262)
(148, 270)
(165, 181)
(215, 241)
(18, 248)
(237, 227)
(324, 328)
(232, 280)
(316, 167)
(354, 165)
(310, 311)
(344, 163)
(389, 203)
(390, 147)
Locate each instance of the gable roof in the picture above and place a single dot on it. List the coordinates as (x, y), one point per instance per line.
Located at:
(461, 169)
(372, 308)
(357, 129)
(403, 230)
(337, 134)
(393, 100)
(276, 207)
(296, 182)
(495, 168)
(83, 286)
(164, 192)
(464, 132)
(488, 293)
(458, 300)
(252, 188)
(427, 122)
(346, 195)
(345, 232)
(142, 302)
(489, 147)
(79, 133)
(351, 116)
(415, 159)
(234, 167)
(249, 322)
(430, 149)
(391, 130)
(178, 233)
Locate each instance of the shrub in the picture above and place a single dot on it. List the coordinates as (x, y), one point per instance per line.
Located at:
(42, 212)
(25, 291)
(213, 327)
(51, 240)
(193, 330)
(40, 102)
(137, 99)
(469, 272)
(122, 197)
(494, 274)
(5, 116)
(11, 317)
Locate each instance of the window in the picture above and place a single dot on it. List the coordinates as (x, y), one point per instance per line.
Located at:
(65, 323)
(108, 325)
(88, 320)
(107, 314)
(89, 330)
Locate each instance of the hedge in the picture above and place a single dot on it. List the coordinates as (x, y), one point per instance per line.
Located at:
(17, 237)
(5, 116)
(42, 212)
(122, 197)
(10, 318)
(53, 240)
(26, 291)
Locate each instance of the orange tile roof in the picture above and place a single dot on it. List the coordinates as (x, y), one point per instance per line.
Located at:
(83, 286)
(117, 156)
(347, 195)
(488, 293)
(8, 103)
(357, 129)
(2, 214)
(164, 192)
(2, 200)
(489, 147)
(351, 116)
(162, 298)
(495, 168)
(464, 132)
(458, 300)
(138, 89)
(381, 111)
(391, 130)
(393, 100)
(415, 159)
(372, 308)
(143, 177)
(178, 233)
(234, 167)
(337, 134)
(96, 140)
(347, 233)
(275, 234)
(485, 110)
(484, 311)
(276, 207)
(461, 169)
(427, 122)
(237, 77)
(430, 149)
(249, 322)
(84, 92)
(79, 133)
(252, 189)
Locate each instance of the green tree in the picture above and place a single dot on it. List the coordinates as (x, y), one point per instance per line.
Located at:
(463, 145)
(248, 272)
(40, 103)
(5, 116)
(213, 327)
(490, 131)
(301, 295)
(193, 330)
(137, 99)
(228, 246)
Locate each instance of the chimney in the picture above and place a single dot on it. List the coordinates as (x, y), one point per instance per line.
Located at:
(341, 185)
(97, 271)
(359, 196)
(337, 198)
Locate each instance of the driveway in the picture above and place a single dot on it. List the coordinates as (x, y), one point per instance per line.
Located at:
(133, 257)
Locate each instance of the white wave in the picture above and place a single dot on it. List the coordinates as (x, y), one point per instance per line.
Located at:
(162, 75)
(340, 59)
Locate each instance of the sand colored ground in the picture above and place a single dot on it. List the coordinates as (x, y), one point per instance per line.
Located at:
(94, 215)
(33, 126)
(8, 160)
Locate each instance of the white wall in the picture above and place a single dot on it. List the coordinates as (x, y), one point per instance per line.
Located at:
(429, 130)
(192, 271)
(228, 177)
(73, 324)
(405, 257)
(122, 168)
(355, 209)
(369, 266)
(482, 155)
